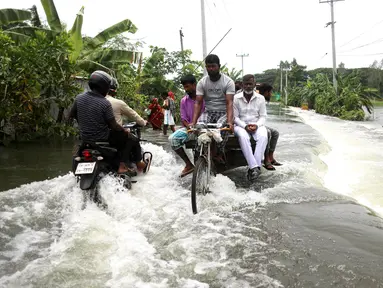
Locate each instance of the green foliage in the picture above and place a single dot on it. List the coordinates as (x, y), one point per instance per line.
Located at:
(163, 70)
(52, 15)
(319, 94)
(127, 90)
(87, 52)
(233, 73)
(8, 16)
(34, 77)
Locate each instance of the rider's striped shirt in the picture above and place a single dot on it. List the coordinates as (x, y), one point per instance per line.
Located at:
(93, 114)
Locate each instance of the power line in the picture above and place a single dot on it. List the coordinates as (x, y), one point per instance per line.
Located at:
(376, 24)
(211, 13)
(364, 45)
(361, 55)
(227, 12)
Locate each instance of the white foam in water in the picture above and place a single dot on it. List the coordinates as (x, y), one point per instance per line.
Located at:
(148, 237)
(355, 166)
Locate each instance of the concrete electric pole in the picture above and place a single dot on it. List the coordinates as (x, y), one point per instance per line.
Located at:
(204, 45)
(334, 70)
(242, 55)
(181, 38)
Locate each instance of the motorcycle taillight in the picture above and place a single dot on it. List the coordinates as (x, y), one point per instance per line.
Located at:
(87, 155)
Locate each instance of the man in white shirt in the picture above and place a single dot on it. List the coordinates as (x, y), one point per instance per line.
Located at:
(249, 118)
(120, 108)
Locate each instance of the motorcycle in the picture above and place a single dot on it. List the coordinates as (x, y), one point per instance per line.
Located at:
(94, 160)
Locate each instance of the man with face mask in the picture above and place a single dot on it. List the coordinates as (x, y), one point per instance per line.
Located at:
(181, 136)
(249, 118)
(217, 89)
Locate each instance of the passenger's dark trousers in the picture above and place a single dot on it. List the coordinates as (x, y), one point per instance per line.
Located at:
(136, 152)
(273, 136)
(124, 145)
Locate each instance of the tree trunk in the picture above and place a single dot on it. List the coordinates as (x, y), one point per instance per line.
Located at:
(60, 115)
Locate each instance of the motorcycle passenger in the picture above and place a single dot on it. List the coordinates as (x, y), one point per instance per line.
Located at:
(96, 120)
(120, 108)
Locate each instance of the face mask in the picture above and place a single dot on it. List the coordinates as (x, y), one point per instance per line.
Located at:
(248, 92)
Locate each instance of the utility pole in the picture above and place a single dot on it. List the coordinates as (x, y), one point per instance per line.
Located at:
(242, 55)
(334, 72)
(204, 47)
(181, 38)
(182, 47)
(286, 94)
(281, 87)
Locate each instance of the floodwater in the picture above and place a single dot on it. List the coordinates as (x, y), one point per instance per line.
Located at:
(298, 226)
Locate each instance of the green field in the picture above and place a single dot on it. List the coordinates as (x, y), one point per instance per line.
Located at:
(377, 103)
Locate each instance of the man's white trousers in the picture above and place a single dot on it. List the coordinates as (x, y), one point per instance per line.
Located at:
(260, 136)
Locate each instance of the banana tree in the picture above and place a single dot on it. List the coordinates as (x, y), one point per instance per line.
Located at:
(88, 53)
(9, 16)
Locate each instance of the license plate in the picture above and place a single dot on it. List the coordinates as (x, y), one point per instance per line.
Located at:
(85, 168)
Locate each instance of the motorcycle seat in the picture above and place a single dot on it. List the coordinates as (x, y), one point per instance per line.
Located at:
(106, 147)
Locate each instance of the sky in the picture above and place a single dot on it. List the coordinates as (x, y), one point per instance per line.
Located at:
(268, 30)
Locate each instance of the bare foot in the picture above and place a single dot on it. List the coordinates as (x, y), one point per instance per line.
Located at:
(123, 169)
(141, 166)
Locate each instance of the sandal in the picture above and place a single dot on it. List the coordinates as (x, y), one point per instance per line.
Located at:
(268, 166)
(276, 163)
(147, 161)
(187, 172)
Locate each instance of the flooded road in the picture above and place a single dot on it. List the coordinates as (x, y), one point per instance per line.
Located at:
(287, 230)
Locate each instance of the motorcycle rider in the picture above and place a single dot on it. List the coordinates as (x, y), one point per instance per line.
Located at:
(120, 108)
(96, 120)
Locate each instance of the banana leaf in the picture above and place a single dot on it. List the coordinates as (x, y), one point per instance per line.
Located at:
(17, 37)
(76, 36)
(8, 16)
(52, 15)
(123, 26)
(110, 55)
(31, 31)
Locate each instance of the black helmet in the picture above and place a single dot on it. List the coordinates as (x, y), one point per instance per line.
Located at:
(100, 81)
(113, 84)
(113, 87)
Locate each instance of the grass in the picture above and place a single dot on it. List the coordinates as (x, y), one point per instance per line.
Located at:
(377, 103)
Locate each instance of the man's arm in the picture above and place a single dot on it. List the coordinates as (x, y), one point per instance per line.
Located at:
(229, 108)
(198, 102)
(230, 91)
(113, 125)
(130, 113)
(73, 111)
(197, 108)
(183, 114)
(262, 113)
